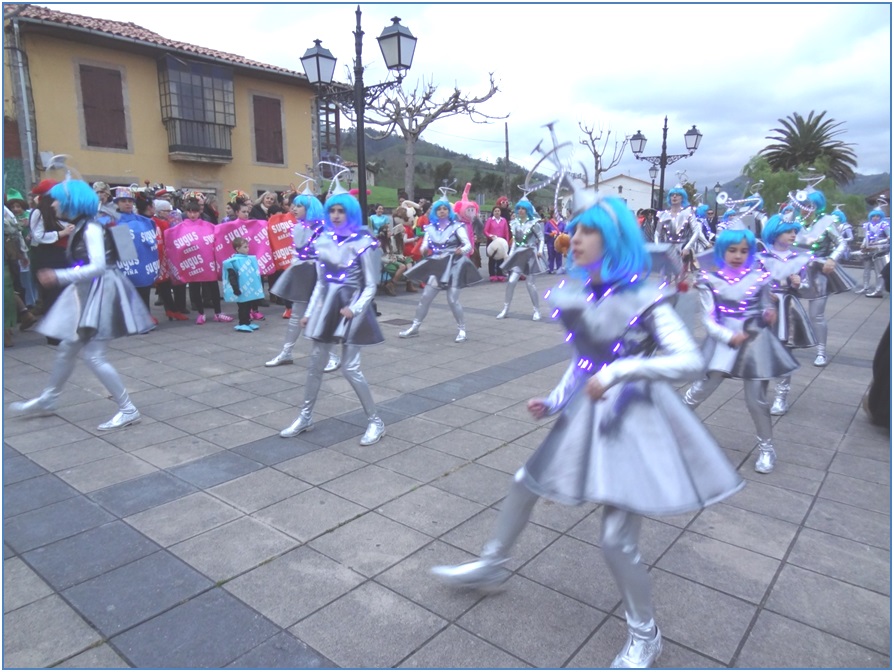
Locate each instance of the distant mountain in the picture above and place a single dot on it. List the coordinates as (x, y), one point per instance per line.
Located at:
(862, 185)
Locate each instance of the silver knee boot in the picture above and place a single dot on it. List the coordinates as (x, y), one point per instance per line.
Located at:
(304, 421)
(766, 457)
(780, 405)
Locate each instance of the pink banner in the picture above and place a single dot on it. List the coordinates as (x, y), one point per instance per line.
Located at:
(255, 232)
(279, 230)
(189, 247)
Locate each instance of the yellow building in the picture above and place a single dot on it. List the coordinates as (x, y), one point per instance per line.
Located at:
(130, 106)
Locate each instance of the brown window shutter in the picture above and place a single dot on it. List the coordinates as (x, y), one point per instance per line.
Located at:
(268, 130)
(103, 99)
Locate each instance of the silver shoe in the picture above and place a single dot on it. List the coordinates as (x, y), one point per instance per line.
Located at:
(766, 458)
(461, 336)
(779, 406)
(860, 290)
(42, 405)
(412, 331)
(375, 430)
(638, 653)
(820, 360)
(304, 423)
(280, 359)
(333, 364)
(875, 295)
(120, 419)
(503, 313)
(487, 575)
(536, 316)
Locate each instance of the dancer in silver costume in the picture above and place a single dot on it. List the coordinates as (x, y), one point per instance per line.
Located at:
(526, 256)
(448, 267)
(98, 304)
(876, 248)
(296, 283)
(624, 438)
(339, 309)
(738, 313)
(845, 230)
(787, 266)
(678, 226)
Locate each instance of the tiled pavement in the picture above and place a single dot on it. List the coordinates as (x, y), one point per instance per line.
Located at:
(199, 538)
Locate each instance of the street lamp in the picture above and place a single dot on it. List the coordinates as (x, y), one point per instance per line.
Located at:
(692, 138)
(653, 173)
(398, 46)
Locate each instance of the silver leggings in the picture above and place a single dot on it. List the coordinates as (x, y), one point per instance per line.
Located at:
(755, 400)
(93, 354)
(619, 542)
(350, 368)
(876, 264)
(428, 295)
(514, 275)
(817, 312)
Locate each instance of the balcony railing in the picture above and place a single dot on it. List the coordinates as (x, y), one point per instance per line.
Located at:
(199, 141)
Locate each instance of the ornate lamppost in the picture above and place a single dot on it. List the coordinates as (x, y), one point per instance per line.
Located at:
(692, 137)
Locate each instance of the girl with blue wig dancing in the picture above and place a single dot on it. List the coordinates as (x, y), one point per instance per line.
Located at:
(98, 305)
(624, 438)
(526, 256)
(339, 309)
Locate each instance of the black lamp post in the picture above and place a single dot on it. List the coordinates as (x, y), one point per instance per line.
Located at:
(398, 45)
(653, 173)
(692, 137)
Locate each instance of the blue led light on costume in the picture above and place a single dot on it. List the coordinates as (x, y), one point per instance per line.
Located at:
(555, 314)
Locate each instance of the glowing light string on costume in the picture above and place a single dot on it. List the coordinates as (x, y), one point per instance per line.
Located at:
(309, 252)
(745, 302)
(341, 276)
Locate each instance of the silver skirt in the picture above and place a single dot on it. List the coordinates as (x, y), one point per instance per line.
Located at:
(821, 284)
(104, 308)
(327, 325)
(639, 449)
(450, 271)
(296, 283)
(761, 357)
(525, 260)
(793, 325)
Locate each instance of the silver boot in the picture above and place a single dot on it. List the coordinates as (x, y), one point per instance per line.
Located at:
(412, 331)
(282, 358)
(820, 356)
(766, 458)
(779, 403)
(121, 419)
(484, 574)
(503, 313)
(42, 405)
(536, 315)
(304, 423)
(333, 363)
(375, 430)
(639, 652)
(460, 336)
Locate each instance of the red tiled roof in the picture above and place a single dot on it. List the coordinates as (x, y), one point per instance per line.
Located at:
(131, 31)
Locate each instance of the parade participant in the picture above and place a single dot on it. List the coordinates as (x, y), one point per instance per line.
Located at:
(172, 296)
(203, 291)
(242, 283)
(787, 266)
(49, 238)
(340, 311)
(23, 271)
(703, 220)
(496, 229)
(298, 281)
(106, 207)
(467, 211)
(876, 249)
(622, 425)
(819, 236)
(845, 230)
(143, 271)
(677, 225)
(99, 304)
(737, 313)
(526, 256)
(447, 268)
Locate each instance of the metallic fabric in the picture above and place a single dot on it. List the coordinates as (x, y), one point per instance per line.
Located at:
(297, 282)
(448, 268)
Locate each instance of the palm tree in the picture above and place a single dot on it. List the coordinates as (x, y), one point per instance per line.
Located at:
(800, 142)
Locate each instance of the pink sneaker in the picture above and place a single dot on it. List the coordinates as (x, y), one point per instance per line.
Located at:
(256, 315)
(200, 319)
(220, 317)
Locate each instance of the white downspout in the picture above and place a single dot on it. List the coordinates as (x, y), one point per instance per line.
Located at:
(31, 175)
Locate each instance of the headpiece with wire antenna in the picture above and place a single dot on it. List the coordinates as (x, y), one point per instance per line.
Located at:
(338, 195)
(444, 201)
(313, 208)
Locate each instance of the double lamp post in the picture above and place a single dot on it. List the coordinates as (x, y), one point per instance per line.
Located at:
(692, 137)
(398, 45)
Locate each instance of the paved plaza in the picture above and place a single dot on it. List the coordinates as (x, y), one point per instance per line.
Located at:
(201, 539)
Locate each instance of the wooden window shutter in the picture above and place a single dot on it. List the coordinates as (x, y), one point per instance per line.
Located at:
(103, 99)
(268, 130)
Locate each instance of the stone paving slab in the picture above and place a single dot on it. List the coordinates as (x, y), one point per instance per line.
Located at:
(199, 538)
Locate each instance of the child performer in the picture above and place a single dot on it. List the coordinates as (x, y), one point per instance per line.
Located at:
(242, 284)
(737, 314)
(339, 309)
(448, 268)
(208, 290)
(876, 248)
(624, 437)
(296, 283)
(787, 266)
(99, 304)
(525, 256)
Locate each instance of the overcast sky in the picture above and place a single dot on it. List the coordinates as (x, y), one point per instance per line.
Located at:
(732, 70)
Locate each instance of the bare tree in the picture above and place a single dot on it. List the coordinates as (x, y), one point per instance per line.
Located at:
(411, 112)
(597, 147)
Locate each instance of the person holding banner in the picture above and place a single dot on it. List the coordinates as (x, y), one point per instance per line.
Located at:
(143, 270)
(190, 248)
(255, 232)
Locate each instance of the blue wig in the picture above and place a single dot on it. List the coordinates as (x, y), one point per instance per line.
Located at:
(842, 218)
(775, 226)
(528, 207)
(76, 199)
(681, 192)
(313, 209)
(624, 250)
(729, 237)
(872, 213)
(437, 204)
(702, 210)
(817, 200)
(352, 210)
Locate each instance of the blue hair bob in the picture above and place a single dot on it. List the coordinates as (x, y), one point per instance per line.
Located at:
(702, 210)
(623, 247)
(76, 199)
(729, 237)
(352, 210)
(527, 205)
(842, 218)
(313, 209)
(680, 191)
(817, 199)
(437, 204)
(872, 213)
(775, 226)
